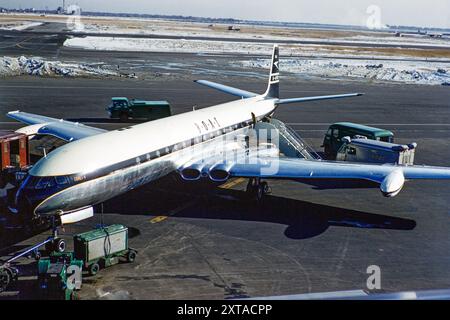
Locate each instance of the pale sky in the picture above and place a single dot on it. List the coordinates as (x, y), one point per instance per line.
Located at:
(430, 13)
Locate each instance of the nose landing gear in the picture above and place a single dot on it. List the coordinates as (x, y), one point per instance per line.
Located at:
(256, 189)
(57, 244)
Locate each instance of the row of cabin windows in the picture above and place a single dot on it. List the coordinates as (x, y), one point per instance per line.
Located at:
(196, 140)
(188, 143)
(67, 180)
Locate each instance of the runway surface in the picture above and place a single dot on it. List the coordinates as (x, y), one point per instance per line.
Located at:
(198, 240)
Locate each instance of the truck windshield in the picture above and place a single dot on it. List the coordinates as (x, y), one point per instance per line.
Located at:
(119, 104)
(387, 139)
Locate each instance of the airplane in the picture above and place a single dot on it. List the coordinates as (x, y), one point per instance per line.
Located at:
(96, 165)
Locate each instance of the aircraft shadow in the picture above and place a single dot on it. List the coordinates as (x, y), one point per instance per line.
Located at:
(303, 219)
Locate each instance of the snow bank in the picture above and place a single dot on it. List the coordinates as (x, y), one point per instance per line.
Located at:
(200, 30)
(225, 47)
(20, 26)
(398, 71)
(166, 45)
(12, 66)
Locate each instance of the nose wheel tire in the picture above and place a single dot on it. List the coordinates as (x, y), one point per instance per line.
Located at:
(57, 245)
(60, 245)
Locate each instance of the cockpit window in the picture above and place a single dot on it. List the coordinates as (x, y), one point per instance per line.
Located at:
(62, 180)
(33, 182)
(45, 182)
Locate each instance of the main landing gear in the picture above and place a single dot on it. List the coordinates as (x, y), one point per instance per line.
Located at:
(256, 189)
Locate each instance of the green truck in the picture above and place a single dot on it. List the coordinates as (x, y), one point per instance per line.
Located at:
(333, 138)
(103, 247)
(122, 108)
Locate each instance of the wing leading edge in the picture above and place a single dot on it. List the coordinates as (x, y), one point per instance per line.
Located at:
(227, 89)
(389, 178)
(290, 168)
(65, 130)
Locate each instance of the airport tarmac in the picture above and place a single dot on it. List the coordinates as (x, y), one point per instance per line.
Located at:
(199, 242)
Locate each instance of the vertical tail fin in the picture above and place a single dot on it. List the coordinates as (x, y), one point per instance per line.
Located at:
(273, 90)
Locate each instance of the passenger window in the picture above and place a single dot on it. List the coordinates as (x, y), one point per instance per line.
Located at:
(329, 132)
(351, 151)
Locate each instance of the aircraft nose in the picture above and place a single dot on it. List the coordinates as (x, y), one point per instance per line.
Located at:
(33, 191)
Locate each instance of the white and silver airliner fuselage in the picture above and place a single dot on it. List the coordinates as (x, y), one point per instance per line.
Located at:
(91, 170)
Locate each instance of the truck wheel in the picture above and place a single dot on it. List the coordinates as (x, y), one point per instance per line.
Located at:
(123, 116)
(131, 256)
(59, 245)
(93, 269)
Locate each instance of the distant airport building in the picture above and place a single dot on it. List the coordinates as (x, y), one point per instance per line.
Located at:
(72, 9)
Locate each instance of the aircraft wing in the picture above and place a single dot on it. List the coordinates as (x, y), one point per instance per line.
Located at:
(389, 178)
(318, 98)
(292, 168)
(65, 130)
(230, 90)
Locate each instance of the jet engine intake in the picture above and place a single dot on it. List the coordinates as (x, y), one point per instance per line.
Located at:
(392, 184)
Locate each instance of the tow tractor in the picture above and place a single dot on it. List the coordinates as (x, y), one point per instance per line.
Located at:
(95, 249)
(54, 275)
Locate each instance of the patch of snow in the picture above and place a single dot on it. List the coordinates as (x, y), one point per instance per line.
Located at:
(406, 41)
(14, 66)
(166, 45)
(396, 71)
(323, 64)
(223, 47)
(20, 26)
(200, 30)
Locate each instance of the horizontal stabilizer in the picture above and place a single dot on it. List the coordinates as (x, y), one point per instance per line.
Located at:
(317, 98)
(227, 89)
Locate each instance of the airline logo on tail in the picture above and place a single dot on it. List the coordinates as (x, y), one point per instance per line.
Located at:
(275, 70)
